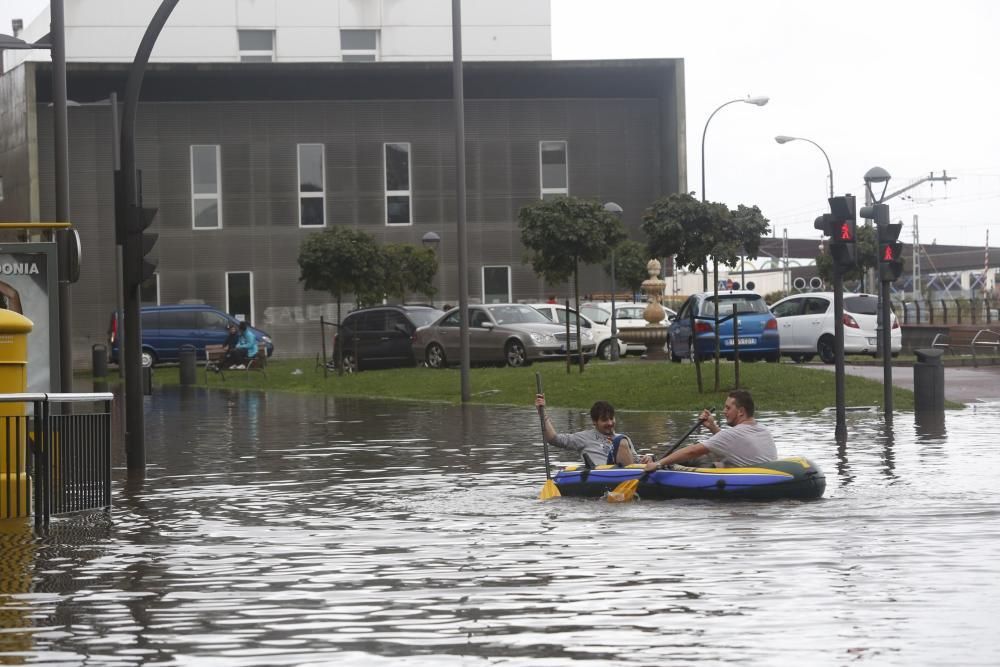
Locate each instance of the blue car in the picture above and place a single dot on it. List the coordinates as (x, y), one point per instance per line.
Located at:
(757, 328)
(165, 329)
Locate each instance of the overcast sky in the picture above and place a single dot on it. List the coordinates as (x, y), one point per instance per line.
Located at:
(908, 85)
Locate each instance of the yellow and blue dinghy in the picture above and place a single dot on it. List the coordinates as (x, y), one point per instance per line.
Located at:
(794, 477)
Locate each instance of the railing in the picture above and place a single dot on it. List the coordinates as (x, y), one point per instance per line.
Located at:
(960, 311)
(53, 463)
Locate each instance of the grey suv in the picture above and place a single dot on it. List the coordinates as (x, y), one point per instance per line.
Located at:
(380, 336)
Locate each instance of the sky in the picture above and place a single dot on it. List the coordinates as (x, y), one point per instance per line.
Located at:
(907, 85)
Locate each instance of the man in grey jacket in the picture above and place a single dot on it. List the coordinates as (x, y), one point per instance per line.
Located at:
(598, 445)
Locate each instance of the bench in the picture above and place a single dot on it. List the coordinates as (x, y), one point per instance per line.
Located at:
(215, 353)
(968, 339)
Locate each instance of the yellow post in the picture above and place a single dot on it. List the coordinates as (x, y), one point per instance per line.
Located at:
(15, 501)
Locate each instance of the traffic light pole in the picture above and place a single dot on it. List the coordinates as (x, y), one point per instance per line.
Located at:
(127, 218)
(838, 352)
(886, 342)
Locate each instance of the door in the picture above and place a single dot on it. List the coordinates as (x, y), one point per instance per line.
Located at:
(788, 314)
(496, 284)
(396, 346)
(817, 317)
(213, 329)
(177, 327)
(482, 346)
(680, 329)
(372, 339)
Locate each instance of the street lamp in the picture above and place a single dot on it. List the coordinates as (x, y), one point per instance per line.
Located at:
(616, 210)
(431, 241)
(782, 139)
(756, 101)
(876, 175)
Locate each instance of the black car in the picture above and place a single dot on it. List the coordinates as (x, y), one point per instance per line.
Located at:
(380, 336)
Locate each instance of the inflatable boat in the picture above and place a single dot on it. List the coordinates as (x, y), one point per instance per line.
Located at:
(794, 477)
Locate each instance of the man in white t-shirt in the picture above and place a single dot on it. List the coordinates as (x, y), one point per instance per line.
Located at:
(746, 443)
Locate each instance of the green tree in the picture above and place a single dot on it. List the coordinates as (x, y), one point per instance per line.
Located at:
(408, 268)
(630, 264)
(340, 260)
(560, 233)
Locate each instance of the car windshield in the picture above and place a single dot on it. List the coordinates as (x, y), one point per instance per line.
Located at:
(423, 317)
(861, 305)
(517, 315)
(745, 303)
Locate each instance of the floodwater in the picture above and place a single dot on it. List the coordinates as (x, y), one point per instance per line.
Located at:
(291, 530)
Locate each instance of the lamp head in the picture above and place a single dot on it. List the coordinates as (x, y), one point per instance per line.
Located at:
(759, 100)
(782, 139)
(431, 240)
(877, 175)
(612, 207)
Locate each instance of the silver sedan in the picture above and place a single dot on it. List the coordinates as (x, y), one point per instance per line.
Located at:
(510, 333)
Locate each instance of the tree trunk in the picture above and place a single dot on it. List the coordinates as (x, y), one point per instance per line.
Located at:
(576, 296)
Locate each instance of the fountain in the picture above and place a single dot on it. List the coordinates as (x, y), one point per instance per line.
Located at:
(654, 334)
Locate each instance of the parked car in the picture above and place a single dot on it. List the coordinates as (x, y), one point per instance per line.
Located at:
(602, 332)
(165, 329)
(805, 322)
(627, 314)
(757, 327)
(380, 336)
(511, 333)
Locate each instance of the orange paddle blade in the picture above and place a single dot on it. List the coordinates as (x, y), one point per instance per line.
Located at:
(549, 491)
(624, 492)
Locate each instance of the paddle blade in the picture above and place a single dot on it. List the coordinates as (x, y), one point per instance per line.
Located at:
(549, 491)
(624, 492)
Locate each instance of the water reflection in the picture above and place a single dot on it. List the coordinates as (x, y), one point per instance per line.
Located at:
(276, 529)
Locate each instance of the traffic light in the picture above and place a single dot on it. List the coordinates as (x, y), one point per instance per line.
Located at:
(139, 243)
(890, 252)
(840, 225)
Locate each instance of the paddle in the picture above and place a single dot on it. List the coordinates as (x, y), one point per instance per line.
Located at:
(549, 489)
(625, 491)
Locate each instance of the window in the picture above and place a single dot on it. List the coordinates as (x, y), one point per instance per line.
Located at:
(210, 321)
(256, 46)
(149, 291)
(239, 295)
(496, 284)
(397, 184)
(554, 174)
(312, 185)
(359, 46)
(206, 194)
(789, 308)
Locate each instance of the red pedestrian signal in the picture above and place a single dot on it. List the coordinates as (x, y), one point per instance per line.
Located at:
(887, 255)
(847, 231)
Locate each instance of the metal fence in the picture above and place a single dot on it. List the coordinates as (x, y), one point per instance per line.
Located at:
(54, 459)
(945, 311)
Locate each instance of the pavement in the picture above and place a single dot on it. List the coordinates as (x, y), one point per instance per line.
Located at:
(962, 384)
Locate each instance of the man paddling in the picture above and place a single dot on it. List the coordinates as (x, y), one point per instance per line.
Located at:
(746, 443)
(598, 445)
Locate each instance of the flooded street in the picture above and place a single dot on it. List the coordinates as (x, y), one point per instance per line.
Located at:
(300, 530)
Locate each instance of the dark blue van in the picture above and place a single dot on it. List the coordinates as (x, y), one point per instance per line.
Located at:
(166, 328)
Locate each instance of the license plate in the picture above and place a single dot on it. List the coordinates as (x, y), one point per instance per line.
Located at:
(728, 342)
(873, 341)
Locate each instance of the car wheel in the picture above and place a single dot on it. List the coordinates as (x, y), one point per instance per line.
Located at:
(825, 348)
(802, 358)
(773, 358)
(515, 355)
(148, 359)
(434, 357)
(604, 351)
(349, 363)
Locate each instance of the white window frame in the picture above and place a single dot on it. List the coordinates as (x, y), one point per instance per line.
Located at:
(1, 188)
(229, 308)
(322, 180)
(217, 195)
(541, 169)
(397, 193)
(361, 55)
(482, 275)
(256, 53)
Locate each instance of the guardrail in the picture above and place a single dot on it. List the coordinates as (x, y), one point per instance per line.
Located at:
(53, 461)
(961, 311)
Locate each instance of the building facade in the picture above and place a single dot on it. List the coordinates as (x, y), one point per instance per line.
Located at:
(244, 160)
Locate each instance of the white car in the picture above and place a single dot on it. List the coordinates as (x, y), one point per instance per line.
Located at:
(805, 324)
(601, 333)
(627, 314)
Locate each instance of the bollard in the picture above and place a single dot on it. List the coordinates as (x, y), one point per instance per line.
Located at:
(99, 360)
(188, 364)
(928, 381)
(147, 380)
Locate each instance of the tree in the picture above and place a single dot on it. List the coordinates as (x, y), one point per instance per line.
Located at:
(630, 265)
(867, 254)
(340, 260)
(695, 232)
(561, 233)
(408, 268)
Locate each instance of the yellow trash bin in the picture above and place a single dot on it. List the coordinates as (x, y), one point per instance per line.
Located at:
(15, 501)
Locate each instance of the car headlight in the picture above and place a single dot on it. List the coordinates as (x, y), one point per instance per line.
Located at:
(543, 339)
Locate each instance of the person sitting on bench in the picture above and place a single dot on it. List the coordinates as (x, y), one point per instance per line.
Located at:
(245, 349)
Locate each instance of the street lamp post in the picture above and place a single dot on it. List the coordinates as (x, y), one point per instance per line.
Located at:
(883, 333)
(782, 139)
(616, 210)
(756, 101)
(431, 241)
